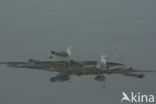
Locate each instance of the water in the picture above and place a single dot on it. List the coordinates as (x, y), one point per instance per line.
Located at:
(123, 30)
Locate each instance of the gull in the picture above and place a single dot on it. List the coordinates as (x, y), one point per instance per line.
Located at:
(102, 64)
(63, 54)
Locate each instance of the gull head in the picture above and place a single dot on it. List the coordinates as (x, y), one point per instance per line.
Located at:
(103, 57)
(69, 49)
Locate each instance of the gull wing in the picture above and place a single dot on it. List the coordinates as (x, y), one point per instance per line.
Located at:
(61, 54)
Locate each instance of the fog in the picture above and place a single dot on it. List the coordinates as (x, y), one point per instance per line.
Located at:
(123, 30)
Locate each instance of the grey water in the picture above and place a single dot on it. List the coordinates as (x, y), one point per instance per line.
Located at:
(124, 30)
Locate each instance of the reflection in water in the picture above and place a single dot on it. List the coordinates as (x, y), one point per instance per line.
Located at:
(122, 29)
(78, 68)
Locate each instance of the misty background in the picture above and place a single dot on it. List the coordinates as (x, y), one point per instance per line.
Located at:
(124, 30)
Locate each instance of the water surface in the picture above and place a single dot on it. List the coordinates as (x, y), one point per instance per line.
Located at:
(123, 30)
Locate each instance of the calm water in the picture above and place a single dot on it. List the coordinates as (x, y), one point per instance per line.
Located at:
(123, 30)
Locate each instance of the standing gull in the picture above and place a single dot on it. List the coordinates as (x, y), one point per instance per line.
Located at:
(102, 64)
(63, 54)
